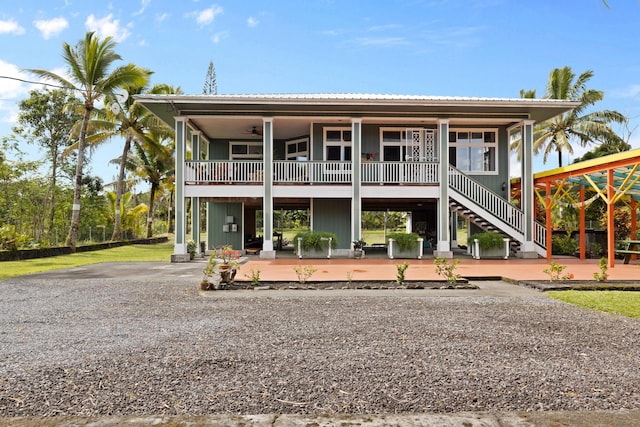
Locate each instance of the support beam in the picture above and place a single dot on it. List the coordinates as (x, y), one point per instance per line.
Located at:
(195, 201)
(548, 203)
(611, 236)
(527, 249)
(356, 200)
(583, 240)
(443, 248)
(267, 198)
(180, 253)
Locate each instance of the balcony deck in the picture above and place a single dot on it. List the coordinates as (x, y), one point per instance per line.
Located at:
(310, 172)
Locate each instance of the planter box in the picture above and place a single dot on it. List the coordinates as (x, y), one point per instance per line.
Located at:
(313, 253)
(479, 252)
(393, 251)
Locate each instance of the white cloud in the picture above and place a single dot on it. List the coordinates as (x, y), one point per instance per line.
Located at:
(11, 88)
(218, 37)
(143, 6)
(51, 27)
(206, 16)
(252, 22)
(107, 27)
(11, 27)
(161, 17)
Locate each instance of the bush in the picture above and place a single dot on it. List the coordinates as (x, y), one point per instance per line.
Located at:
(316, 240)
(488, 240)
(565, 245)
(405, 241)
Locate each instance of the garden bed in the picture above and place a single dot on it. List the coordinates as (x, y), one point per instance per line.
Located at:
(341, 285)
(581, 285)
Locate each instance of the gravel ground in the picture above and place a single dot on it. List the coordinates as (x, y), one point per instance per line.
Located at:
(129, 347)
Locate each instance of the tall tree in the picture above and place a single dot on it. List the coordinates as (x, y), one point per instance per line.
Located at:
(210, 84)
(88, 65)
(154, 166)
(45, 120)
(136, 125)
(577, 125)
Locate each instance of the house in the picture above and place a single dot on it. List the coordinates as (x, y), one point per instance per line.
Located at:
(339, 155)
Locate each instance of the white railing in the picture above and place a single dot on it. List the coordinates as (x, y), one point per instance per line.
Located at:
(540, 234)
(492, 203)
(487, 199)
(224, 171)
(311, 172)
(400, 173)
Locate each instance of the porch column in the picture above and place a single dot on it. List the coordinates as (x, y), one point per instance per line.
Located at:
(356, 165)
(195, 201)
(267, 198)
(180, 253)
(611, 235)
(443, 248)
(527, 249)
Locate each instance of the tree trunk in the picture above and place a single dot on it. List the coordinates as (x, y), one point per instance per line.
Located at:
(117, 226)
(171, 213)
(559, 158)
(54, 172)
(72, 238)
(152, 196)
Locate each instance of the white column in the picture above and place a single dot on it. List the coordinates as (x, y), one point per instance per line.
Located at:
(527, 249)
(180, 253)
(267, 198)
(356, 164)
(195, 201)
(443, 248)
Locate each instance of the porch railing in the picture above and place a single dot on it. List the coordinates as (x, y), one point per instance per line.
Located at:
(224, 171)
(493, 204)
(309, 172)
(400, 173)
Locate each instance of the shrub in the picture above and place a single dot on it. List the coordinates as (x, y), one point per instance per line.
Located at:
(316, 240)
(488, 240)
(405, 241)
(565, 245)
(400, 271)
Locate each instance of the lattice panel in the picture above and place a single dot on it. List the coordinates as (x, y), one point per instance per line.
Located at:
(430, 152)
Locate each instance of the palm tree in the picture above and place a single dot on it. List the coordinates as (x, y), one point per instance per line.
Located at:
(89, 62)
(155, 166)
(136, 125)
(557, 133)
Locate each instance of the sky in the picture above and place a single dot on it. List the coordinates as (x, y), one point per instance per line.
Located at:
(477, 48)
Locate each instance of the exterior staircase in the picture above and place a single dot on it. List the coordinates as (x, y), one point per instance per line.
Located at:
(489, 211)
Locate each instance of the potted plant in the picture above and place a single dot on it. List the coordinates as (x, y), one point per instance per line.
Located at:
(489, 244)
(358, 248)
(191, 248)
(315, 244)
(404, 245)
(223, 265)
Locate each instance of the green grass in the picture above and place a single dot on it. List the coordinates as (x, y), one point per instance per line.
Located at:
(158, 252)
(619, 302)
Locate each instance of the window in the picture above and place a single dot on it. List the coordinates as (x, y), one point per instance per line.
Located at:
(473, 150)
(246, 150)
(337, 144)
(298, 150)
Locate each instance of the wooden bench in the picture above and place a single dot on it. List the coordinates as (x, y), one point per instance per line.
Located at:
(631, 247)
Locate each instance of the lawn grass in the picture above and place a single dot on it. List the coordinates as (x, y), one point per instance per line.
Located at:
(157, 252)
(619, 302)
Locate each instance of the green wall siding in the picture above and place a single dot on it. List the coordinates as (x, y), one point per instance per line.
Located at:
(333, 215)
(216, 219)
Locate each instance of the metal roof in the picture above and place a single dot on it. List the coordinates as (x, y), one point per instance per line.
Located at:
(513, 110)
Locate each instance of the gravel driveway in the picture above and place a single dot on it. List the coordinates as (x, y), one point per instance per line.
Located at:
(108, 346)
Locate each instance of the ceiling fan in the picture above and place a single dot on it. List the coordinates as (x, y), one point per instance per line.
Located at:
(255, 131)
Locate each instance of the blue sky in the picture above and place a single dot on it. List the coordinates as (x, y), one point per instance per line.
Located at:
(485, 48)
